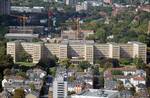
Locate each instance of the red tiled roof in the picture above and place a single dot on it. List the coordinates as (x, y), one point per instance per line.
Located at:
(139, 78)
(124, 69)
(16, 77)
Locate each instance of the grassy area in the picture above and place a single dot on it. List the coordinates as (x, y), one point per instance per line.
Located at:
(25, 63)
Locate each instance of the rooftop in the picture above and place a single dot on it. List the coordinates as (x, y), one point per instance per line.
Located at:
(21, 35)
(135, 42)
(98, 93)
(75, 42)
(139, 78)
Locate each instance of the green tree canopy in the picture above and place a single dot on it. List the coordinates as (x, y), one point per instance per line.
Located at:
(125, 61)
(52, 71)
(22, 74)
(7, 72)
(66, 63)
(101, 35)
(6, 61)
(84, 65)
(139, 63)
(32, 86)
(142, 38)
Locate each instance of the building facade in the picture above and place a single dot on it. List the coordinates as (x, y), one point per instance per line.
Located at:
(60, 84)
(78, 50)
(4, 6)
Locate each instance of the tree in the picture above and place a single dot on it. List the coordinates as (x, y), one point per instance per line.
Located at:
(66, 63)
(142, 38)
(32, 86)
(19, 93)
(101, 35)
(52, 71)
(6, 61)
(133, 90)
(22, 74)
(84, 65)
(125, 61)
(139, 63)
(7, 72)
(120, 86)
(71, 78)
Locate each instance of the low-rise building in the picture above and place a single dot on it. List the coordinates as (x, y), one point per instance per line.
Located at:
(18, 36)
(97, 93)
(35, 78)
(130, 77)
(82, 6)
(35, 9)
(74, 34)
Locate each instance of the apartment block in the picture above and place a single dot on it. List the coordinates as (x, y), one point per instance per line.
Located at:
(139, 50)
(114, 51)
(51, 49)
(63, 51)
(13, 48)
(78, 50)
(34, 49)
(89, 55)
(126, 50)
(101, 50)
(37, 52)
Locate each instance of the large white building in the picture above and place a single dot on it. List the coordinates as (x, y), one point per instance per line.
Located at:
(78, 50)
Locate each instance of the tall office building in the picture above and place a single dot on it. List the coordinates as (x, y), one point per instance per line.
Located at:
(60, 87)
(4, 6)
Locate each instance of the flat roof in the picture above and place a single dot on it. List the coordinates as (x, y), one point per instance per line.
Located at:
(98, 93)
(21, 35)
(76, 42)
(135, 42)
